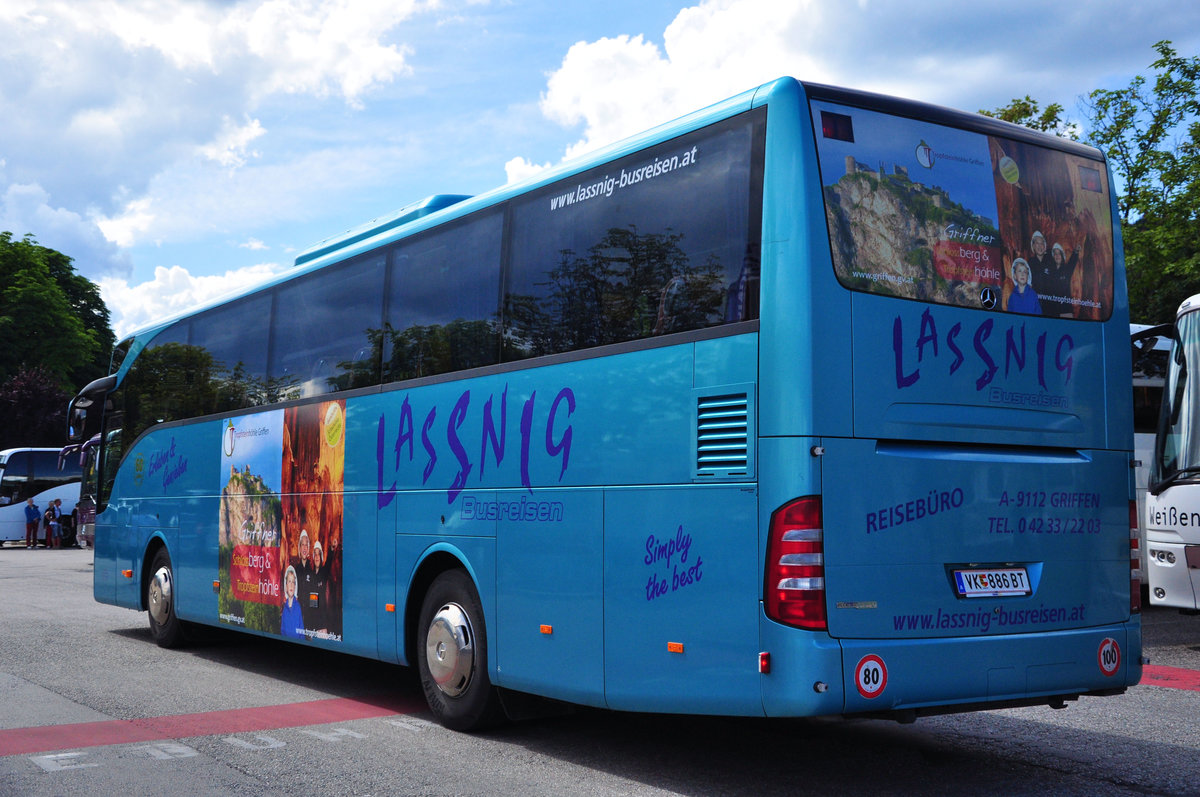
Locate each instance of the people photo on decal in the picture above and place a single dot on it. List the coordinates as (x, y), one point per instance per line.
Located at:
(1024, 298)
(291, 621)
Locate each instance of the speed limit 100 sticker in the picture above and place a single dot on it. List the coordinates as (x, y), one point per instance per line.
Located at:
(1109, 656)
(870, 676)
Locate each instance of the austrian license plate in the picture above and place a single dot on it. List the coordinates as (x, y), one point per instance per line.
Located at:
(992, 583)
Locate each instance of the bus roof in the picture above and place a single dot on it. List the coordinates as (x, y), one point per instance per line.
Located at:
(1189, 305)
(439, 208)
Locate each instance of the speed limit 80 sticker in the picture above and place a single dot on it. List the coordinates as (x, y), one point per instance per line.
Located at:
(1109, 656)
(870, 676)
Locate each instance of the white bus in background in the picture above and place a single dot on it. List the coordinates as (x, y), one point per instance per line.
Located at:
(1149, 372)
(1172, 512)
(33, 473)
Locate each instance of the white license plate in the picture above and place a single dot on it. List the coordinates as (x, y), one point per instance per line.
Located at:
(992, 583)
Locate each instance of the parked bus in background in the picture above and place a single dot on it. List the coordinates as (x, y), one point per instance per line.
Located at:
(811, 402)
(33, 473)
(83, 517)
(1173, 499)
(1149, 373)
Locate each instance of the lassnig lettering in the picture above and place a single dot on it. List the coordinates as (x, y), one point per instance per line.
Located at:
(1047, 354)
(557, 434)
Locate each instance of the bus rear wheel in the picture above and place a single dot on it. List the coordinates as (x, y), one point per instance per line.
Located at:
(452, 655)
(165, 626)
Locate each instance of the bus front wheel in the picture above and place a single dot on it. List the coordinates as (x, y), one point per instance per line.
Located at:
(165, 626)
(452, 655)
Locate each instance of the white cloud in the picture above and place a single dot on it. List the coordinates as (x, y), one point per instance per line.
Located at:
(188, 201)
(319, 47)
(518, 169)
(123, 229)
(101, 98)
(229, 148)
(254, 244)
(968, 56)
(616, 87)
(27, 209)
(173, 291)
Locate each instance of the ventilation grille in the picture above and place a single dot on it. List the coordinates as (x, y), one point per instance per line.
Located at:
(722, 435)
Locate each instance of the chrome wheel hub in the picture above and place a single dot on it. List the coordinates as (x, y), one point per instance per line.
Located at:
(159, 596)
(450, 650)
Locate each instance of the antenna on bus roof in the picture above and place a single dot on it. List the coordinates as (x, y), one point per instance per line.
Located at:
(375, 226)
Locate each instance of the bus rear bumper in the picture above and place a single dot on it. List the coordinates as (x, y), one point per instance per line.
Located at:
(996, 671)
(912, 677)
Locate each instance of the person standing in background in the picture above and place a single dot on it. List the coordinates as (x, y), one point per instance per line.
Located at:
(32, 516)
(54, 527)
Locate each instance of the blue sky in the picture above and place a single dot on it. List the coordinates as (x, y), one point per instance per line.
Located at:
(181, 149)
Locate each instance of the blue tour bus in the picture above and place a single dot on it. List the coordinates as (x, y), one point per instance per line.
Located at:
(811, 402)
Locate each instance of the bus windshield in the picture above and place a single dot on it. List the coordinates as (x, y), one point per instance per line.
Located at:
(1177, 454)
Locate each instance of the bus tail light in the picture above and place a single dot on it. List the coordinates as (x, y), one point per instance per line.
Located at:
(1135, 562)
(794, 591)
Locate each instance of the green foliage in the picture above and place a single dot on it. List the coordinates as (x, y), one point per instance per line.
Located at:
(1150, 132)
(54, 338)
(1028, 113)
(39, 324)
(33, 410)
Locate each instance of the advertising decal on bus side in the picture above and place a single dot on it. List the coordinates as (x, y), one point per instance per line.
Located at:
(280, 521)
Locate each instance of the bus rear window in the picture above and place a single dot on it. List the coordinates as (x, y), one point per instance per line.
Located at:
(938, 214)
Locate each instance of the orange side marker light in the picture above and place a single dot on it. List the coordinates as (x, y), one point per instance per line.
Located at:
(675, 647)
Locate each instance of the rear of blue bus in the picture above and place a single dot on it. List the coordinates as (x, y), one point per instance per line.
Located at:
(944, 421)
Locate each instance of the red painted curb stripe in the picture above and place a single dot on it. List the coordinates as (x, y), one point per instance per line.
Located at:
(24, 741)
(1172, 677)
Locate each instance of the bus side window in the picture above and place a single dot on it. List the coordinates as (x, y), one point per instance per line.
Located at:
(16, 478)
(442, 304)
(321, 322)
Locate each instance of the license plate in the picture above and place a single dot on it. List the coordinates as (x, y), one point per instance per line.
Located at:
(992, 583)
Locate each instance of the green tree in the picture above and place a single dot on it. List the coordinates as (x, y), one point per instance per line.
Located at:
(1150, 131)
(1027, 112)
(49, 316)
(86, 304)
(33, 410)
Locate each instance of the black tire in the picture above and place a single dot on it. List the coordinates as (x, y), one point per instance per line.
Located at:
(165, 626)
(452, 655)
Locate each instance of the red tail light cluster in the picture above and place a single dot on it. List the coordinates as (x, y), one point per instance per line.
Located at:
(794, 591)
(1135, 562)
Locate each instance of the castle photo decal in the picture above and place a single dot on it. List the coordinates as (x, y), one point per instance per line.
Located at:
(937, 214)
